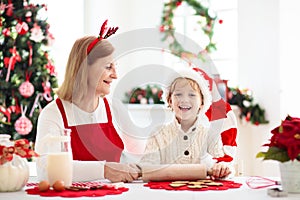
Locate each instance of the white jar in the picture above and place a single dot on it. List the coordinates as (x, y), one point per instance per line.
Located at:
(290, 176)
(13, 174)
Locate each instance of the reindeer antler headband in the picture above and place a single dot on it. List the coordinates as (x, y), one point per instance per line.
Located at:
(102, 35)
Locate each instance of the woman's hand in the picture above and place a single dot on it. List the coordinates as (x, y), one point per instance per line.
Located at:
(219, 170)
(118, 172)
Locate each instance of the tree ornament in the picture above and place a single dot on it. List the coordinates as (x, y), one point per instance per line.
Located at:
(36, 33)
(36, 103)
(6, 32)
(49, 66)
(2, 8)
(22, 27)
(10, 62)
(47, 91)
(10, 8)
(23, 125)
(26, 89)
(28, 16)
(5, 112)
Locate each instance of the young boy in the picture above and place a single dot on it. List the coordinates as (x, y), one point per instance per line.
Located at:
(186, 140)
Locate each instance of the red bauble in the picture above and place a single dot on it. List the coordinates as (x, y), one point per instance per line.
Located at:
(26, 89)
(6, 32)
(22, 28)
(23, 125)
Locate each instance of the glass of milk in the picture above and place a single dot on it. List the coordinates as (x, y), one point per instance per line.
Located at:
(59, 158)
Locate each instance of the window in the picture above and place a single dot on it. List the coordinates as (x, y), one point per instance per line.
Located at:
(225, 35)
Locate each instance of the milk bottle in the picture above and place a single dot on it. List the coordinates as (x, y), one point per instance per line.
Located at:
(59, 160)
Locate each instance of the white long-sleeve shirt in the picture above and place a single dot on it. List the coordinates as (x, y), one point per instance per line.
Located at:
(50, 122)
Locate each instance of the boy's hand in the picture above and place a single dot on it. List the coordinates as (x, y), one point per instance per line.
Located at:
(219, 170)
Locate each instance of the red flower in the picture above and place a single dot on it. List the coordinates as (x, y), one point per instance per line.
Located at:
(287, 137)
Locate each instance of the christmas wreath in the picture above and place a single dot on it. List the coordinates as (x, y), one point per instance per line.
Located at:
(207, 22)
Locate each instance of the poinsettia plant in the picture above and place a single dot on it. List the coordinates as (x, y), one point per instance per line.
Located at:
(20, 147)
(285, 142)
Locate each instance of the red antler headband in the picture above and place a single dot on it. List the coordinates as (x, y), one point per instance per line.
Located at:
(109, 32)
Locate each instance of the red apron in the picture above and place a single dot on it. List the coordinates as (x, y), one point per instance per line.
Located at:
(91, 142)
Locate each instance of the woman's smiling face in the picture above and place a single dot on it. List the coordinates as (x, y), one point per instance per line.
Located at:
(102, 73)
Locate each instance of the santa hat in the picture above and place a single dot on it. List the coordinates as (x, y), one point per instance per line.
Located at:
(187, 72)
(223, 122)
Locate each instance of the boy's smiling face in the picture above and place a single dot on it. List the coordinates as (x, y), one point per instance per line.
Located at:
(186, 101)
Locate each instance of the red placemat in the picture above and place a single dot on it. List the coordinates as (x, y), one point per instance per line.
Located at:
(166, 186)
(106, 189)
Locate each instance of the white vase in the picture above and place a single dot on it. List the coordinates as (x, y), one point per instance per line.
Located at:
(13, 174)
(290, 176)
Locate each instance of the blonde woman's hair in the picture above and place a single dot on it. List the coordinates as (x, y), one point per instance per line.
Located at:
(75, 82)
(192, 83)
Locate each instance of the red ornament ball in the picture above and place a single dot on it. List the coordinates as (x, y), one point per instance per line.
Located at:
(26, 89)
(23, 125)
(22, 28)
(6, 32)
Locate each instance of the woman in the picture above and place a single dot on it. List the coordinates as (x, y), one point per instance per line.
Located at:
(82, 107)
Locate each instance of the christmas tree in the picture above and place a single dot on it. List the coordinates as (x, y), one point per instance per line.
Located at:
(27, 74)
